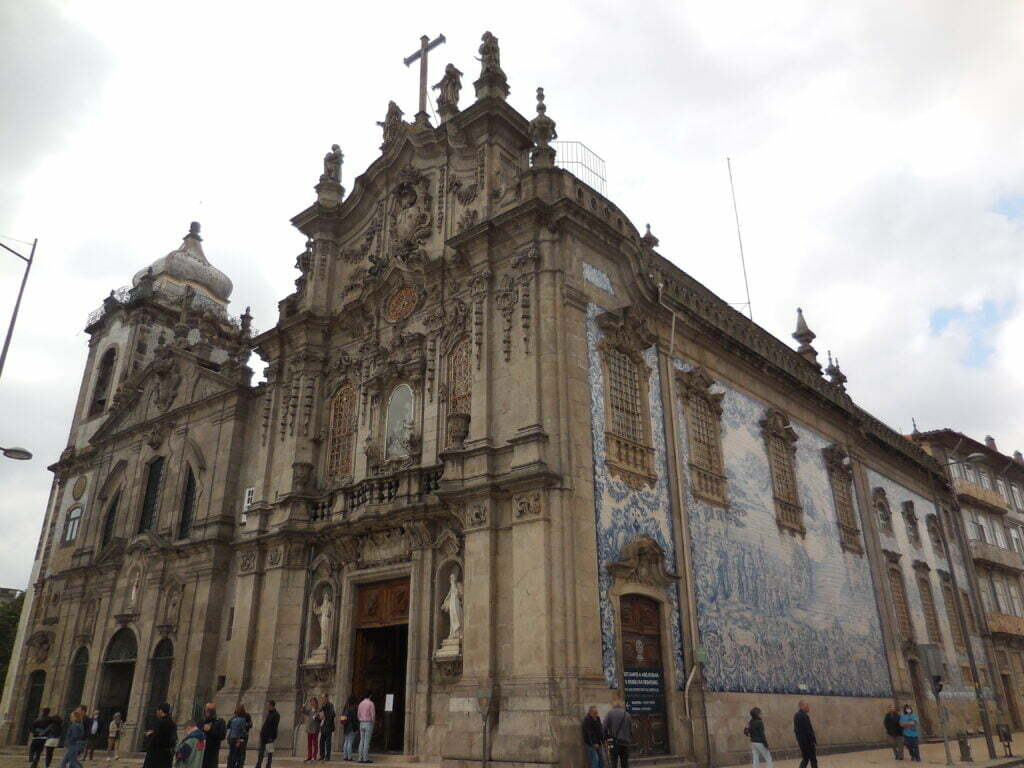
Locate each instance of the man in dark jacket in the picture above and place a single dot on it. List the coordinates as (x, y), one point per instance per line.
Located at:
(326, 727)
(268, 734)
(805, 737)
(593, 737)
(161, 741)
(894, 731)
(215, 729)
(618, 726)
(37, 736)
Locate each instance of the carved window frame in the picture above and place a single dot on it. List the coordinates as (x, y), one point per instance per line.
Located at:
(629, 459)
(103, 384)
(458, 401)
(882, 509)
(928, 607)
(949, 601)
(933, 525)
(72, 524)
(384, 416)
(904, 622)
(840, 477)
(780, 447)
(703, 412)
(339, 460)
(912, 524)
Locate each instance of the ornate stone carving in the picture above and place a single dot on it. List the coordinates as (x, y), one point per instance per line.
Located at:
(492, 81)
(458, 429)
(411, 215)
(168, 382)
(642, 561)
(527, 505)
(247, 561)
(384, 546)
(626, 328)
(506, 298)
(40, 644)
(302, 477)
(450, 85)
(542, 132)
(275, 557)
(526, 265)
(323, 614)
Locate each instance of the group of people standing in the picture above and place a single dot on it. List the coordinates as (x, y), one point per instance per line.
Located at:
(83, 735)
(356, 721)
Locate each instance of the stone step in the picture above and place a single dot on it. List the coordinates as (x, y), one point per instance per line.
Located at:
(662, 761)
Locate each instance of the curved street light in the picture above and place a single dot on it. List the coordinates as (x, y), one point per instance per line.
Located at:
(16, 453)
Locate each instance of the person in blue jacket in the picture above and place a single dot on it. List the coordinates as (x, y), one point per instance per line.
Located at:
(911, 733)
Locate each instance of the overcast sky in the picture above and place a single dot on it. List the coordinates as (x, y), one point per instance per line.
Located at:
(876, 151)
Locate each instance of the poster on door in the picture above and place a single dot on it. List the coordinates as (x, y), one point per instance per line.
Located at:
(644, 690)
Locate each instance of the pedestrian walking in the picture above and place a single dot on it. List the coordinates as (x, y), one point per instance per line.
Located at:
(618, 726)
(894, 731)
(805, 737)
(52, 738)
(758, 740)
(161, 739)
(311, 712)
(238, 735)
(911, 734)
(593, 738)
(350, 725)
(367, 714)
(327, 720)
(114, 737)
(37, 737)
(93, 736)
(191, 752)
(74, 741)
(268, 734)
(215, 730)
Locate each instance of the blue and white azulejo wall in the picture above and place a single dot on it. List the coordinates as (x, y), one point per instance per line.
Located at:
(623, 514)
(779, 613)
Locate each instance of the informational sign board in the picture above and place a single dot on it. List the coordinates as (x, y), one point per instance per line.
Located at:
(644, 690)
(389, 702)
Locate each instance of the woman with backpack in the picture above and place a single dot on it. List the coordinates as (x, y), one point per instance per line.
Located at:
(758, 741)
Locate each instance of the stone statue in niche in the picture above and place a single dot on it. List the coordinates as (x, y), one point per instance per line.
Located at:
(452, 605)
(410, 215)
(324, 612)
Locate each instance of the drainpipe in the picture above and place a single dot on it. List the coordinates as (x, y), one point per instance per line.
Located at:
(695, 628)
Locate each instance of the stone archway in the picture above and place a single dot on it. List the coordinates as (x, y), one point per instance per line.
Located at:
(34, 700)
(76, 680)
(159, 676)
(116, 674)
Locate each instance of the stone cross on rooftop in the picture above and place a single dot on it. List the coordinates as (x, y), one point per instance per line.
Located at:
(426, 45)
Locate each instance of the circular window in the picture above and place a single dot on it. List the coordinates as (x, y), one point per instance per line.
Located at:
(78, 488)
(401, 304)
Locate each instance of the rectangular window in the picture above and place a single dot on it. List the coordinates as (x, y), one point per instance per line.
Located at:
(703, 431)
(231, 622)
(1004, 490)
(998, 534)
(149, 502)
(624, 395)
(965, 602)
(1001, 598)
(1018, 498)
(72, 524)
(1016, 539)
(954, 621)
(976, 526)
(1016, 605)
(985, 478)
(931, 618)
(841, 479)
(904, 625)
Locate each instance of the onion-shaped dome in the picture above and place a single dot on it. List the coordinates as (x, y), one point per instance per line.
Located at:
(187, 265)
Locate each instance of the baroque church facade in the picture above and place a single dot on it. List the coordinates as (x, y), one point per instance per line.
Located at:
(507, 461)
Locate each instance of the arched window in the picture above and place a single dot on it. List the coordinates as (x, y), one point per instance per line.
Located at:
(904, 624)
(460, 381)
(931, 616)
(104, 378)
(398, 426)
(109, 520)
(72, 523)
(881, 504)
(160, 673)
(149, 502)
(188, 506)
(122, 647)
(342, 432)
(76, 679)
(840, 476)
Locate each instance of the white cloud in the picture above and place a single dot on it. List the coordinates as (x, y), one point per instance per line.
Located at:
(870, 144)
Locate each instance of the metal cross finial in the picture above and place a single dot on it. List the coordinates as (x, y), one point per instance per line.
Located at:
(425, 46)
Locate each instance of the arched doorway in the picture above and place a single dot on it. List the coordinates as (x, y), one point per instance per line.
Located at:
(118, 671)
(76, 680)
(159, 678)
(34, 700)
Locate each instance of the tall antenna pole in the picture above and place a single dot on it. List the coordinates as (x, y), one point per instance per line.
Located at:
(739, 237)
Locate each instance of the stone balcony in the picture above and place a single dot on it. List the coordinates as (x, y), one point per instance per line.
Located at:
(983, 552)
(1004, 624)
(974, 492)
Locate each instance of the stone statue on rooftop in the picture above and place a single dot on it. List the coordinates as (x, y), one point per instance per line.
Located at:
(449, 87)
(392, 124)
(490, 56)
(332, 165)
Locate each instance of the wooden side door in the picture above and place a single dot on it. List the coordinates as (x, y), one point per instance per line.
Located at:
(643, 673)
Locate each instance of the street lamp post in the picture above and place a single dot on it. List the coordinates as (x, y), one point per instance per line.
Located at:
(17, 304)
(16, 453)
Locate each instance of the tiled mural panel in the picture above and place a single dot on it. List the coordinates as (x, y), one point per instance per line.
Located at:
(779, 613)
(898, 541)
(623, 514)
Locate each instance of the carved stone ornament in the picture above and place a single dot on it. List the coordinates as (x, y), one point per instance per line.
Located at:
(527, 505)
(158, 434)
(247, 561)
(168, 382)
(458, 429)
(880, 503)
(276, 557)
(837, 460)
(448, 669)
(302, 477)
(391, 545)
(411, 214)
(392, 125)
(642, 561)
(472, 515)
(626, 328)
(40, 644)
